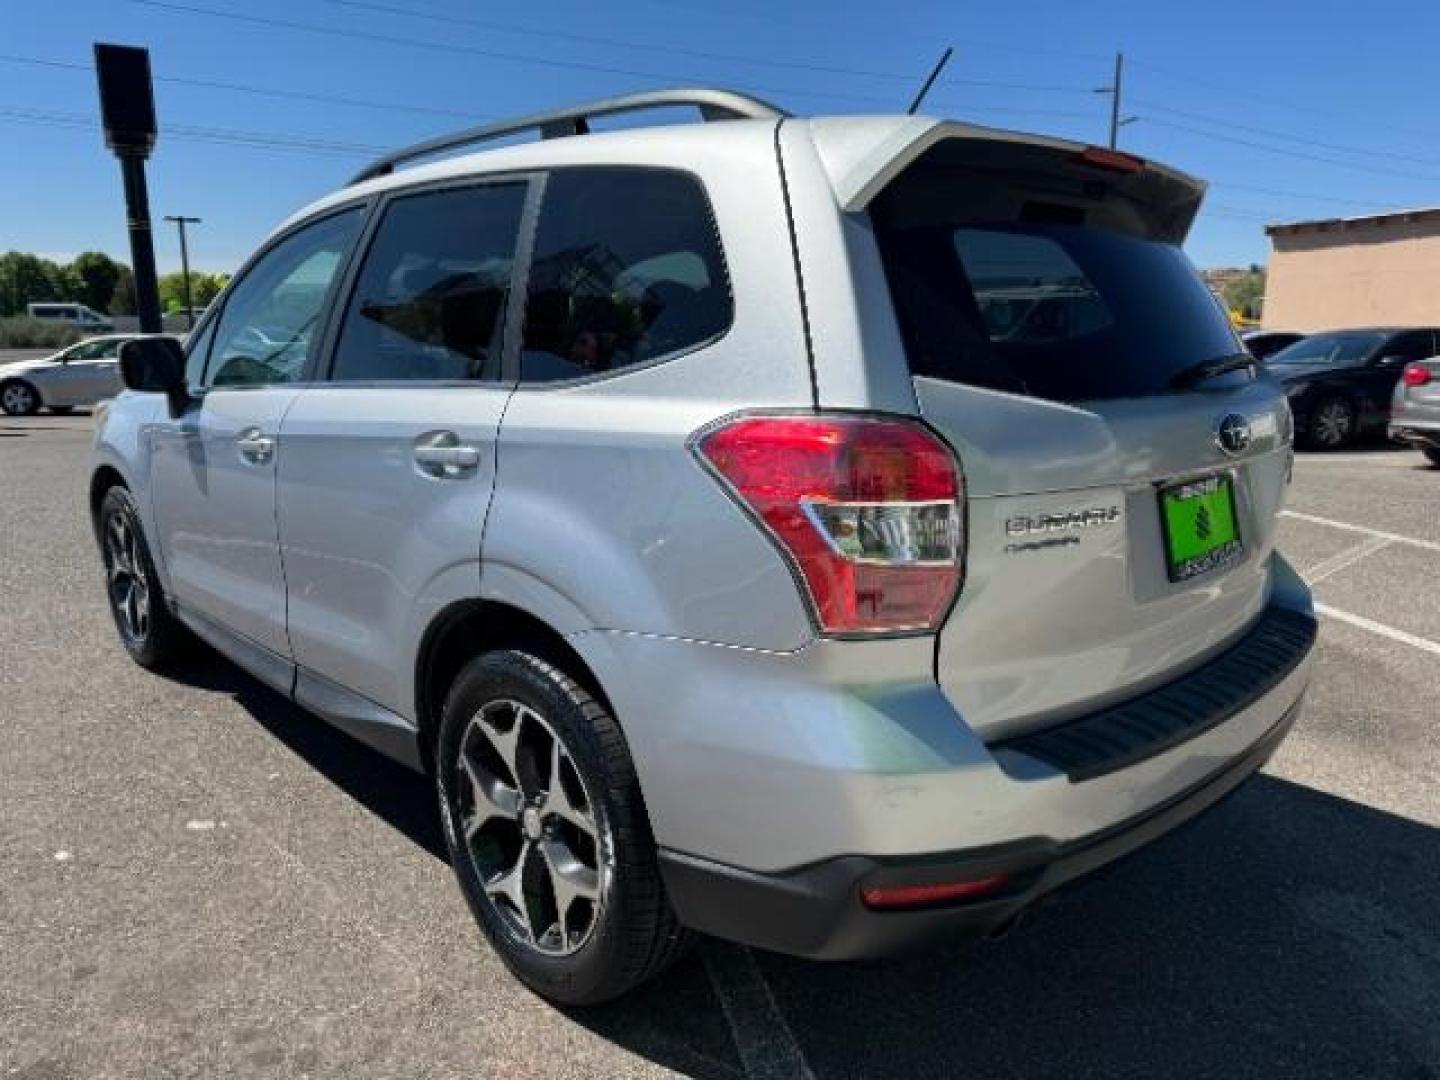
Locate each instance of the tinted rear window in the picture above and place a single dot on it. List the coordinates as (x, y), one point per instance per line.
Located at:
(1057, 311)
(1344, 349)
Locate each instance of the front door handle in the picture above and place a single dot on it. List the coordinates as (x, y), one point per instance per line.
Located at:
(442, 455)
(256, 447)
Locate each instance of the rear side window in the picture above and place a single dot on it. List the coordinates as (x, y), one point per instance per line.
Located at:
(1057, 311)
(627, 270)
(430, 300)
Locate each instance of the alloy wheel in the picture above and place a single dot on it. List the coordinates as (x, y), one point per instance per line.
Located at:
(125, 578)
(528, 827)
(1332, 423)
(17, 399)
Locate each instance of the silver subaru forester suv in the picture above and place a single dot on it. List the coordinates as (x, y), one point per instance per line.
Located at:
(826, 534)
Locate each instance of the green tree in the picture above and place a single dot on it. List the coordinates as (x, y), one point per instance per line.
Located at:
(1245, 292)
(203, 288)
(25, 279)
(97, 274)
(122, 300)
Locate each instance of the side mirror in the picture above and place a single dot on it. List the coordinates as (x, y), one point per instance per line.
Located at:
(155, 365)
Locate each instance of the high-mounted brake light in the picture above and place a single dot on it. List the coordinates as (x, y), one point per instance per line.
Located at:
(867, 510)
(1416, 375)
(1115, 160)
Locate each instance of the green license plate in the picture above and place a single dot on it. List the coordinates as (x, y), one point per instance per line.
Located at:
(1201, 533)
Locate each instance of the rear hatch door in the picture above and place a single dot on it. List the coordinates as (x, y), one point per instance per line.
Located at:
(1123, 461)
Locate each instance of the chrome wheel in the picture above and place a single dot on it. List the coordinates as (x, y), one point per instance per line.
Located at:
(527, 824)
(18, 399)
(1333, 422)
(125, 578)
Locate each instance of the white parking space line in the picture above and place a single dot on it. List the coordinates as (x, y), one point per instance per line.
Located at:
(1414, 640)
(1428, 545)
(764, 1041)
(1349, 557)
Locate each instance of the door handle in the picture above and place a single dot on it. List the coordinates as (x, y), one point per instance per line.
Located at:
(442, 455)
(256, 447)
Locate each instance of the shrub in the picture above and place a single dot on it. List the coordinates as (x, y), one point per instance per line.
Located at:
(23, 333)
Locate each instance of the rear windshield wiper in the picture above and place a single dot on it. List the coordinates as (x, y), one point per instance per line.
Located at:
(1196, 374)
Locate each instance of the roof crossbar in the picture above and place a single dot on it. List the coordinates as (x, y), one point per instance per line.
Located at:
(560, 123)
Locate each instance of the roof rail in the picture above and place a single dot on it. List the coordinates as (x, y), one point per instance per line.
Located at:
(713, 105)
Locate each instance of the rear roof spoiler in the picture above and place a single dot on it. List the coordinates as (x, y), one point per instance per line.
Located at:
(862, 156)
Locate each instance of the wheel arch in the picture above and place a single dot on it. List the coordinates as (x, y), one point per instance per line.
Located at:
(104, 478)
(465, 629)
(31, 383)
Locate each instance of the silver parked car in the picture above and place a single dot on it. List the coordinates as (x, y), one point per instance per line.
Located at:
(1415, 408)
(802, 531)
(75, 377)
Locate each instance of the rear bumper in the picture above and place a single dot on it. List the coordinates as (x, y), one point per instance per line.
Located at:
(1416, 433)
(817, 912)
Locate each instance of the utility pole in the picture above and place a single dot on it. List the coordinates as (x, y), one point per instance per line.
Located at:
(934, 74)
(1115, 90)
(181, 221)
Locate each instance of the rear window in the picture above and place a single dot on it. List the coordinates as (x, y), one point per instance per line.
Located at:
(1052, 310)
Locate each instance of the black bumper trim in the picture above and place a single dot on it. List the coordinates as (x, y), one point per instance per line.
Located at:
(1126, 734)
(816, 912)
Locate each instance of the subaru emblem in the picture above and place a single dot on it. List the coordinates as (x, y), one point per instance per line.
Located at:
(1232, 434)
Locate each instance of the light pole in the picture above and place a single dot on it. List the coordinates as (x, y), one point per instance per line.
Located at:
(181, 221)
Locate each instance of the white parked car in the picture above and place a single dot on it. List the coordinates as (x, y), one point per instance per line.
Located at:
(75, 377)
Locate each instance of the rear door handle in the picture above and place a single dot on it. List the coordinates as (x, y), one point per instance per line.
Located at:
(255, 446)
(442, 455)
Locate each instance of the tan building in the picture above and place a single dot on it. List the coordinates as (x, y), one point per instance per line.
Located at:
(1382, 270)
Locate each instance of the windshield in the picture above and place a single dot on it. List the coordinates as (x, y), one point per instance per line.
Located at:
(1336, 350)
(1057, 311)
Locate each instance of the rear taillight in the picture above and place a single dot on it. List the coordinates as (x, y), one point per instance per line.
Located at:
(867, 510)
(1416, 375)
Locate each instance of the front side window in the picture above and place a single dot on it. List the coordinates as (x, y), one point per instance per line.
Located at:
(272, 314)
(430, 300)
(627, 270)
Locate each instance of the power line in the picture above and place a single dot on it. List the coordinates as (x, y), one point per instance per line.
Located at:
(1285, 136)
(546, 61)
(1298, 154)
(1367, 117)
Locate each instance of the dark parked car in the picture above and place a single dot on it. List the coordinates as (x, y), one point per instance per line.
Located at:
(1340, 383)
(1265, 343)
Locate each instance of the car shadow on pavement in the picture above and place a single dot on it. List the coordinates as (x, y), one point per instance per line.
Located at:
(399, 796)
(1285, 933)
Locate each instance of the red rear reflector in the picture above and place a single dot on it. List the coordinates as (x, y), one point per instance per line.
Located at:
(866, 509)
(1115, 160)
(1416, 375)
(893, 897)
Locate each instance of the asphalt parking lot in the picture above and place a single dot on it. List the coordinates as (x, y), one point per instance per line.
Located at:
(198, 879)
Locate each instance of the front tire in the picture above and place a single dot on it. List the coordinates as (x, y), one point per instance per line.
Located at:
(548, 833)
(1433, 454)
(19, 398)
(1333, 423)
(152, 636)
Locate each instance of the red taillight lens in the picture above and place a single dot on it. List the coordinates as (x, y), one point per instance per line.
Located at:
(868, 510)
(1416, 375)
(896, 897)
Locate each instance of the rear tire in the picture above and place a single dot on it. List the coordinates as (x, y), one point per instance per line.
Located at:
(1334, 423)
(1433, 453)
(19, 398)
(548, 833)
(152, 636)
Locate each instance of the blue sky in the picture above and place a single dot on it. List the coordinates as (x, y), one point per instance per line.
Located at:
(1291, 108)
